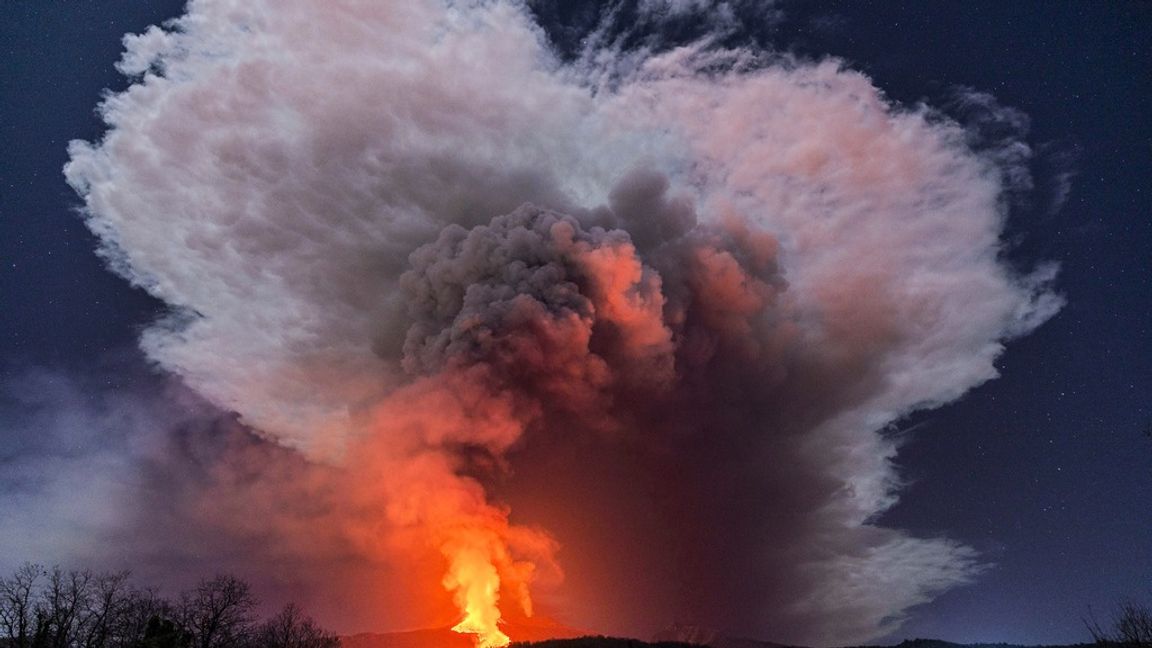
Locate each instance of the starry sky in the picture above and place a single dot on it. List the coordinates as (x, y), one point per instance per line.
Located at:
(1047, 471)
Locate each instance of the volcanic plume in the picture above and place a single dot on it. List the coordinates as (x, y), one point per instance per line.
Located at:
(618, 336)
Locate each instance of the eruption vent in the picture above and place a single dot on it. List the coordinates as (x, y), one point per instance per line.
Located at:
(649, 308)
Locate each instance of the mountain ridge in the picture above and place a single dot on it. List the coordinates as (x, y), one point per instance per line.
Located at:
(559, 636)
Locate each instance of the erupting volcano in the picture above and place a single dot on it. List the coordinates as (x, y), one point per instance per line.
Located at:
(533, 323)
(613, 335)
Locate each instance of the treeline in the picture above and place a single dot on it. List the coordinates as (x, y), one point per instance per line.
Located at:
(54, 608)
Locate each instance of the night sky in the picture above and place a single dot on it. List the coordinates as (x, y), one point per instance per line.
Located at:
(1046, 471)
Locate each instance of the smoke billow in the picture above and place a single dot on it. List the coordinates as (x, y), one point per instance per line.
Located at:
(616, 336)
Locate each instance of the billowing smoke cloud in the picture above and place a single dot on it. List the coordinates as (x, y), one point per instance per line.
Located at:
(639, 318)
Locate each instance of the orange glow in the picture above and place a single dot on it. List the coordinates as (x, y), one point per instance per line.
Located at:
(486, 557)
(480, 566)
(475, 582)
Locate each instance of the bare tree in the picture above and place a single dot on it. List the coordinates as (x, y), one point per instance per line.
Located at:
(217, 613)
(291, 628)
(18, 604)
(1131, 627)
(60, 610)
(108, 601)
(147, 621)
(80, 609)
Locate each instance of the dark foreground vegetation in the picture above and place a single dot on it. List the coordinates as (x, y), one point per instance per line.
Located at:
(1129, 627)
(53, 608)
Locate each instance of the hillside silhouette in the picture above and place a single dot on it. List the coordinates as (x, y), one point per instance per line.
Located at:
(54, 608)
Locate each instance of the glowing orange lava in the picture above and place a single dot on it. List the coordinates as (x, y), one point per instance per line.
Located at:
(476, 584)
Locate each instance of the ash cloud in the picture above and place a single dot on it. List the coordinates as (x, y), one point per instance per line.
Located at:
(140, 473)
(637, 318)
(66, 452)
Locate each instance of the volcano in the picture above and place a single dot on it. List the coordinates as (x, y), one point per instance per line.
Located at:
(520, 630)
(543, 629)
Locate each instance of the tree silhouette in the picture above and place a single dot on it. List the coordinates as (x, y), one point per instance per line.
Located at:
(54, 608)
(160, 632)
(1131, 627)
(291, 628)
(18, 604)
(218, 613)
(60, 611)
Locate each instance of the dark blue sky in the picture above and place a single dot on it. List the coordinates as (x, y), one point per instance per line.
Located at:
(1047, 471)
